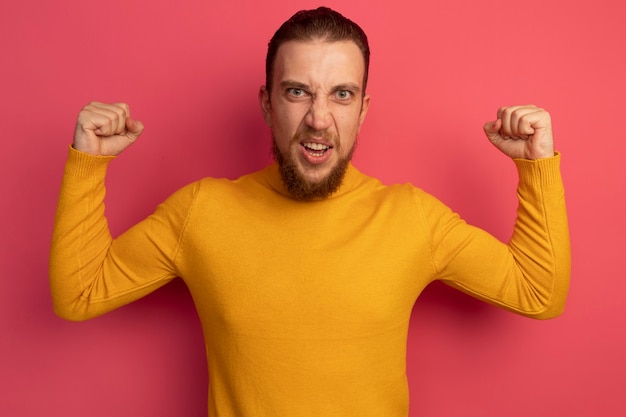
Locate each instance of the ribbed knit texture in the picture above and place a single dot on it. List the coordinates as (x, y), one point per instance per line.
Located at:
(305, 306)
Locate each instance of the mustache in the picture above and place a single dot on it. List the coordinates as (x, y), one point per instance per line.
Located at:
(309, 133)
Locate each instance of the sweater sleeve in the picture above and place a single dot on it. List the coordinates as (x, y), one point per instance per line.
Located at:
(529, 275)
(90, 272)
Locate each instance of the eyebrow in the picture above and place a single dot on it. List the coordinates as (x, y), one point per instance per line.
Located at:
(296, 84)
(355, 88)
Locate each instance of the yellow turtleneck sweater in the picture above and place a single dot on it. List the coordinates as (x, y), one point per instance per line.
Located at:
(305, 306)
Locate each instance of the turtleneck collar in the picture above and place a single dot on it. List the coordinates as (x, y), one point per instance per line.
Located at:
(351, 180)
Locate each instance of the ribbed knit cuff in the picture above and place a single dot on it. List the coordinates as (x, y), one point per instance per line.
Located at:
(539, 172)
(83, 165)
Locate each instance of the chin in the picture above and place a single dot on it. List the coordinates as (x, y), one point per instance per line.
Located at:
(310, 182)
(317, 174)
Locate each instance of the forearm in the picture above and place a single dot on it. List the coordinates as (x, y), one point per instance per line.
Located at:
(81, 235)
(540, 242)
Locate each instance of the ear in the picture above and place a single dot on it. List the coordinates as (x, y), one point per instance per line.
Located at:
(266, 105)
(365, 105)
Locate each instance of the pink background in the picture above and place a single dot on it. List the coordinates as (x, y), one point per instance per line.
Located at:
(191, 69)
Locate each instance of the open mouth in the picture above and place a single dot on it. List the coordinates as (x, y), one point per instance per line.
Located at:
(315, 149)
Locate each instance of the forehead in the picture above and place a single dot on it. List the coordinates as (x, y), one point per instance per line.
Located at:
(319, 61)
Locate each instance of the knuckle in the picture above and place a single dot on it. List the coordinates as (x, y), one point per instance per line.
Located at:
(86, 108)
(124, 106)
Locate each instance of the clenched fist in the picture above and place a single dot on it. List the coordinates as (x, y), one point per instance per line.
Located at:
(105, 129)
(522, 132)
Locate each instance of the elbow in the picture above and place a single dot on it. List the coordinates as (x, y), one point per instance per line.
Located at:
(552, 308)
(68, 313)
(69, 305)
(555, 307)
(552, 312)
(72, 309)
(551, 303)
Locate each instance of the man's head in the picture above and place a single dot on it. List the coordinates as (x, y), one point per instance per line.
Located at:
(320, 23)
(314, 100)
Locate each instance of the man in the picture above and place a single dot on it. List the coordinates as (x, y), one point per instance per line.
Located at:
(304, 274)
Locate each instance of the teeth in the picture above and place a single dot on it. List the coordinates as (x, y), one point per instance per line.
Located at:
(316, 146)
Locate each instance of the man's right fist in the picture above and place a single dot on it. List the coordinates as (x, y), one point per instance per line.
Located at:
(105, 129)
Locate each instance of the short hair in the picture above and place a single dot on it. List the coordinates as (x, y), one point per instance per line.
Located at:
(322, 22)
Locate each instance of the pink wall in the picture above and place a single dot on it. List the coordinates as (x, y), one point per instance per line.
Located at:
(191, 69)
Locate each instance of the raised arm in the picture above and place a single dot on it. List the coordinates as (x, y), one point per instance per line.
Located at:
(90, 272)
(530, 274)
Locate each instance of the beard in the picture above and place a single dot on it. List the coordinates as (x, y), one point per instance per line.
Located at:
(302, 189)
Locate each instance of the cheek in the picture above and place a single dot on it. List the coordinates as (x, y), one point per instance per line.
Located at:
(349, 124)
(288, 121)
(283, 130)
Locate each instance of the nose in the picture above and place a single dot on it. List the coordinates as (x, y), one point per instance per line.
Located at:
(319, 116)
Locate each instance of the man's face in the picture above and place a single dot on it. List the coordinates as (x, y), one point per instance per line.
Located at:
(315, 111)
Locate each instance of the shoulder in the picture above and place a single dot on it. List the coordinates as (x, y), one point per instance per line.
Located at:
(214, 191)
(405, 196)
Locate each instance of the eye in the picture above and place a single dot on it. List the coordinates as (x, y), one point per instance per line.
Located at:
(343, 94)
(296, 92)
